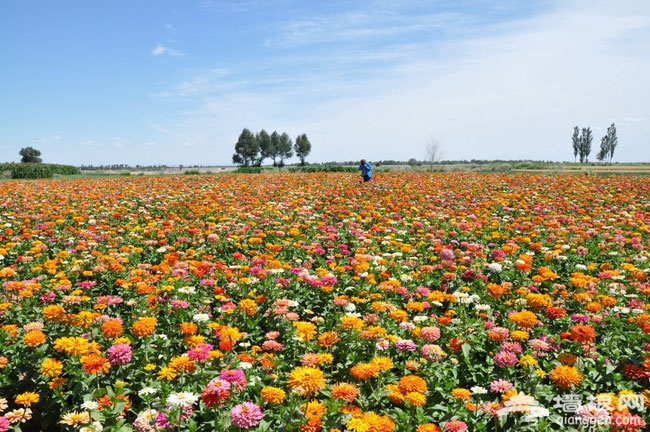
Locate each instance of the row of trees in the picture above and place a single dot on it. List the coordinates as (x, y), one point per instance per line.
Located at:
(582, 140)
(252, 149)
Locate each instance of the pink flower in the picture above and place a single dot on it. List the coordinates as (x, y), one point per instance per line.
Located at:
(119, 354)
(201, 352)
(216, 392)
(446, 254)
(246, 415)
(430, 334)
(4, 424)
(235, 377)
(455, 426)
(505, 359)
(500, 386)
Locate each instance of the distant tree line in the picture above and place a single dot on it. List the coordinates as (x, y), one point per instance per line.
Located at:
(582, 139)
(253, 149)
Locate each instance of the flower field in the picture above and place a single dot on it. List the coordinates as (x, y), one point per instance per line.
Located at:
(307, 302)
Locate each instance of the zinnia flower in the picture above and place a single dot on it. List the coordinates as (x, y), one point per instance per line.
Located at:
(27, 398)
(144, 327)
(75, 419)
(246, 415)
(119, 354)
(455, 426)
(51, 367)
(345, 391)
(306, 380)
(273, 395)
(565, 377)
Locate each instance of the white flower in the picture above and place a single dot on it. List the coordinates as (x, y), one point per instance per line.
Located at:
(89, 405)
(187, 290)
(146, 391)
(349, 307)
(482, 307)
(494, 268)
(245, 365)
(478, 390)
(581, 267)
(201, 317)
(181, 399)
(420, 318)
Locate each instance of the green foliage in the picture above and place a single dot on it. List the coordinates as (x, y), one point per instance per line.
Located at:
(248, 170)
(192, 172)
(36, 170)
(322, 168)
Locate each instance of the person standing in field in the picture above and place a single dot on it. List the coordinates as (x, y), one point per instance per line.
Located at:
(366, 170)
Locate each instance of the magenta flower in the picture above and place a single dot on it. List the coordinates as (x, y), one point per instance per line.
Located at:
(246, 415)
(201, 352)
(119, 354)
(235, 377)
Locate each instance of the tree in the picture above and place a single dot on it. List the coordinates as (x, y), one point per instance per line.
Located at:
(284, 148)
(434, 151)
(266, 146)
(302, 147)
(585, 144)
(575, 139)
(613, 141)
(604, 149)
(30, 155)
(246, 149)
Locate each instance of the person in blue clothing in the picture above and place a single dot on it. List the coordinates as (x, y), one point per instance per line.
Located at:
(366, 170)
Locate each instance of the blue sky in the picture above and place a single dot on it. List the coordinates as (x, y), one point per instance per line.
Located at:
(170, 82)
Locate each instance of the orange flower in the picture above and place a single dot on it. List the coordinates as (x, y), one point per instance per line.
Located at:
(327, 339)
(565, 377)
(428, 427)
(306, 381)
(112, 329)
(461, 394)
(182, 364)
(144, 327)
(95, 364)
(524, 319)
(412, 383)
(345, 391)
(54, 313)
(582, 333)
(273, 395)
(364, 371)
(34, 338)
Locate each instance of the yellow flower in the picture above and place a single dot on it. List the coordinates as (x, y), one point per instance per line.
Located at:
(51, 367)
(27, 398)
(527, 361)
(306, 380)
(166, 373)
(415, 399)
(461, 394)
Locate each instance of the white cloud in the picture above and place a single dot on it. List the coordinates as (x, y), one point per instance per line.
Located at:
(161, 49)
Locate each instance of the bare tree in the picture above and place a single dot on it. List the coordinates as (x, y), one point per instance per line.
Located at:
(434, 151)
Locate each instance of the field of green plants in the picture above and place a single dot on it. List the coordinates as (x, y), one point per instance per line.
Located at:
(311, 302)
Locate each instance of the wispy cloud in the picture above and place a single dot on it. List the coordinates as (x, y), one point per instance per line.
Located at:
(161, 49)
